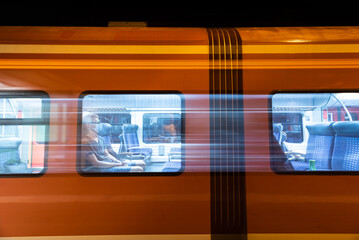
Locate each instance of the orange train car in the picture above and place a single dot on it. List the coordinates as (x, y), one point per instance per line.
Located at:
(179, 133)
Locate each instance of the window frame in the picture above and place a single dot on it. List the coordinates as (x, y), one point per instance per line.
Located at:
(43, 120)
(273, 149)
(127, 174)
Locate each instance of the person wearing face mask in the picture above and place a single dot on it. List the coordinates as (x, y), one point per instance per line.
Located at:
(95, 156)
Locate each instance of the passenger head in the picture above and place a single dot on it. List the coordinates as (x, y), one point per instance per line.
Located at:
(171, 119)
(90, 126)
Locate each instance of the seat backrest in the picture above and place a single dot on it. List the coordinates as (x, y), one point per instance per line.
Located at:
(280, 135)
(9, 149)
(320, 144)
(277, 132)
(105, 133)
(116, 131)
(346, 146)
(130, 138)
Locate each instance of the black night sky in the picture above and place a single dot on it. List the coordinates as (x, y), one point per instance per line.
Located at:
(99, 14)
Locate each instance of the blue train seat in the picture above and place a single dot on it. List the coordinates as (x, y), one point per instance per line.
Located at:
(171, 167)
(346, 146)
(105, 134)
(131, 144)
(105, 131)
(277, 131)
(9, 150)
(280, 135)
(319, 147)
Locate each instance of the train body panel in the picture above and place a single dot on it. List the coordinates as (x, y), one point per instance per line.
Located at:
(203, 100)
(61, 202)
(299, 62)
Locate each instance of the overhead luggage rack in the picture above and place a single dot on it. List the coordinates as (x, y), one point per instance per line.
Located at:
(105, 109)
(293, 108)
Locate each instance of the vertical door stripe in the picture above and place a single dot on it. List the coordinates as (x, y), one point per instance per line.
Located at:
(228, 201)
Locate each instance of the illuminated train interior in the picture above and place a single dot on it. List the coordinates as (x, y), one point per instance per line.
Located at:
(148, 127)
(140, 127)
(317, 127)
(134, 127)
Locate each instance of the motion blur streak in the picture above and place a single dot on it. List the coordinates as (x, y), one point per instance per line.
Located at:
(108, 49)
(179, 64)
(302, 236)
(63, 135)
(263, 236)
(104, 64)
(169, 49)
(118, 237)
(301, 48)
(95, 198)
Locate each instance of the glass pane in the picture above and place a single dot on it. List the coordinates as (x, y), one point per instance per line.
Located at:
(124, 133)
(117, 120)
(20, 108)
(162, 128)
(22, 149)
(315, 131)
(292, 125)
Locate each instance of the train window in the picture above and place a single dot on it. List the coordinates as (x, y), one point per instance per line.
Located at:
(326, 132)
(161, 128)
(127, 133)
(23, 133)
(117, 120)
(292, 125)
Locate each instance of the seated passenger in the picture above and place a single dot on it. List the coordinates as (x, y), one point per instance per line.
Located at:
(122, 155)
(170, 129)
(104, 133)
(95, 156)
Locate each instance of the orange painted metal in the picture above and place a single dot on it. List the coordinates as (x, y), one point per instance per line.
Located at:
(61, 202)
(287, 203)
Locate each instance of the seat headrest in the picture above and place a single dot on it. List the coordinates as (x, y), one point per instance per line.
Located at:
(277, 127)
(105, 129)
(127, 128)
(10, 143)
(116, 130)
(348, 129)
(322, 128)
